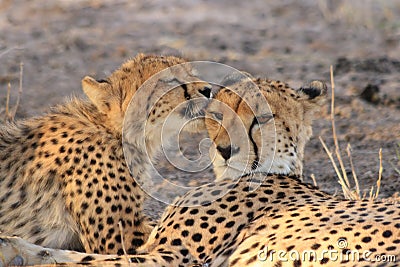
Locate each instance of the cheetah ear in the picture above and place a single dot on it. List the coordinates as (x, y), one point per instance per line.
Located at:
(314, 93)
(97, 92)
(235, 77)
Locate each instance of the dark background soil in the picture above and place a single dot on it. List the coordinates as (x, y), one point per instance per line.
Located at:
(61, 41)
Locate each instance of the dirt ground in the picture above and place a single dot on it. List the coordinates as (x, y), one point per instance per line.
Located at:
(61, 41)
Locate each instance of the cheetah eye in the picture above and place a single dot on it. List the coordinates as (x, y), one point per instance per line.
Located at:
(171, 81)
(264, 118)
(103, 81)
(217, 116)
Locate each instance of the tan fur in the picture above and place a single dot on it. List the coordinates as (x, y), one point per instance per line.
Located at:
(64, 182)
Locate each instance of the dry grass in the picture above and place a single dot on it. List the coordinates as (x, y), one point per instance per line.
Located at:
(349, 193)
(121, 230)
(10, 113)
(370, 14)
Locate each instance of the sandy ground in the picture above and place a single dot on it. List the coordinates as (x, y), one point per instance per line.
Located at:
(61, 41)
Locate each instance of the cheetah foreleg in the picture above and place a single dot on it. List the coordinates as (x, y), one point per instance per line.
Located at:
(17, 251)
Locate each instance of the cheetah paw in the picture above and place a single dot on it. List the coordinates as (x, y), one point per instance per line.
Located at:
(15, 251)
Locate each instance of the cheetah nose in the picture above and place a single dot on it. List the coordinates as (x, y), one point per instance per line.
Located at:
(206, 91)
(228, 151)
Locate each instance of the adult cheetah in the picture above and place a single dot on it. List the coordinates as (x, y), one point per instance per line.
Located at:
(64, 181)
(297, 225)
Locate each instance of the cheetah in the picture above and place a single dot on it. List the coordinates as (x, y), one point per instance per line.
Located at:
(64, 181)
(205, 226)
(298, 218)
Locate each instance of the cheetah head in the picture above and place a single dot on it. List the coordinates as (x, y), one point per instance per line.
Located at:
(260, 125)
(112, 95)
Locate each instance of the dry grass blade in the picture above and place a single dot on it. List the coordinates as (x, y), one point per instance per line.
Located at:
(378, 183)
(314, 180)
(371, 193)
(21, 72)
(346, 190)
(341, 173)
(7, 113)
(335, 140)
(353, 171)
(123, 242)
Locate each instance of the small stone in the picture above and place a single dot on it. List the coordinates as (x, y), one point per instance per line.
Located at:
(371, 94)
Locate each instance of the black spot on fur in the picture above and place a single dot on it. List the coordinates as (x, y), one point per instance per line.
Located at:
(87, 258)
